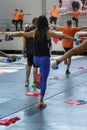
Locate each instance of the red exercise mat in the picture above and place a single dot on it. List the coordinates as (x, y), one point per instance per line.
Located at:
(9, 121)
(73, 102)
(33, 93)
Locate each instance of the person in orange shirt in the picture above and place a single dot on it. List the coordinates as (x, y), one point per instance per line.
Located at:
(21, 18)
(54, 14)
(79, 49)
(67, 44)
(75, 14)
(15, 18)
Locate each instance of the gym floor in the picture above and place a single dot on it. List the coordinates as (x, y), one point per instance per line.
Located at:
(62, 111)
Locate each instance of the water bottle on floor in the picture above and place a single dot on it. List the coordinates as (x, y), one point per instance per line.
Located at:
(38, 80)
(10, 60)
(25, 53)
(55, 67)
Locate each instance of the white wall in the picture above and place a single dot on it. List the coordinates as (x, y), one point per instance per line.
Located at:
(7, 7)
(29, 6)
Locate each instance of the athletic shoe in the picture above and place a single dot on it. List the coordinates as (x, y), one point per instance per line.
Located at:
(26, 83)
(41, 105)
(34, 84)
(67, 72)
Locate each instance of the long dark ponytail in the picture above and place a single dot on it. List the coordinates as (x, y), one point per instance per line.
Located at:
(42, 27)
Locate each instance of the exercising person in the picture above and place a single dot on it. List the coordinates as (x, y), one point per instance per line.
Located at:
(29, 48)
(77, 50)
(21, 18)
(67, 44)
(15, 19)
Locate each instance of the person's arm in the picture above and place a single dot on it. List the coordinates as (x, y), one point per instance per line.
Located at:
(69, 12)
(22, 34)
(83, 28)
(79, 49)
(61, 35)
(2, 54)
(61, 8)
(24, 45)
(82, 12)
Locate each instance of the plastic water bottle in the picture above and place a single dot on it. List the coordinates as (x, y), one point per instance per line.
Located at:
(38, 81)
(25, 55)
(10, 60)
(8, 37)
(55, 67)
(17, 59)
(77, 42)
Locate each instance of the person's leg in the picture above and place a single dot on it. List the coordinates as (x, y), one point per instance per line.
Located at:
(68, 65)
(16, 25)
(55, 20)
(52, 20)
(44, 64)
(21, 23)
(68, 61)
(35, 72)
(28, 70)
(13, 21)
(44, 68)
(76, 22)
(65, 61)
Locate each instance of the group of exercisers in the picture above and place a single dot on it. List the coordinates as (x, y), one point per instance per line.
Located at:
(37, 43)
(41, 51)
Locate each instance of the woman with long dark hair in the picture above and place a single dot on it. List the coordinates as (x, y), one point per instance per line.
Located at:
(42, 34)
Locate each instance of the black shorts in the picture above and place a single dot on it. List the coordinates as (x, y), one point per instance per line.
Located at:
(67, 49)
(15, 22)
(30, 60)
(73, 18)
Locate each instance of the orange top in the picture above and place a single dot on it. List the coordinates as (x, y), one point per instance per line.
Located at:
(54, 12)
(21, 16)
(68, 31)
(76, 14)
(16, 16)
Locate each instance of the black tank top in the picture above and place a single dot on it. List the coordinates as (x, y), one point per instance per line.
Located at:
(41, 48)
(30, 42)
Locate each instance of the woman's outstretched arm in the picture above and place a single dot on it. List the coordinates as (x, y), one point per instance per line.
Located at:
(61, 35)
(23, 34)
